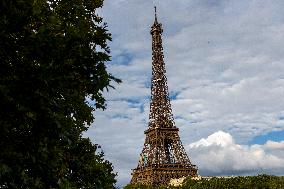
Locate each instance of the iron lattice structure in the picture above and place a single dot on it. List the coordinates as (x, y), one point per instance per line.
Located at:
(163, 156)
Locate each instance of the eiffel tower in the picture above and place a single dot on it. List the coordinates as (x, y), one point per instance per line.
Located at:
(163, 156)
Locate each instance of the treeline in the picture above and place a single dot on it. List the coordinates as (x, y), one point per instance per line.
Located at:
(240, 182)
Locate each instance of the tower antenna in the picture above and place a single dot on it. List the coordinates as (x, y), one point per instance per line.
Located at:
(156, 20)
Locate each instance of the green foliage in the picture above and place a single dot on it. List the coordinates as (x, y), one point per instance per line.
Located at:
(52, 57)
(138, 186)
(248, 182)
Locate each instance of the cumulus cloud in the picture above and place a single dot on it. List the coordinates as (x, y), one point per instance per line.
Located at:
(219, 154)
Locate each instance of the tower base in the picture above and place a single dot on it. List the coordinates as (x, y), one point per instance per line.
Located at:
(161, 175)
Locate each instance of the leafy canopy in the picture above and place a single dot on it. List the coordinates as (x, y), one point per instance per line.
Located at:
(52, 57)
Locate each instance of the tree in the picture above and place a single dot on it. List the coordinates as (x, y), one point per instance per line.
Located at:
(53, 55)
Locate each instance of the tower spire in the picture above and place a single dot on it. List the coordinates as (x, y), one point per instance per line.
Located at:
(160, 107)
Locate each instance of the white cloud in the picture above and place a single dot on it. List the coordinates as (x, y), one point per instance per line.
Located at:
(218, 154)
(219, 138)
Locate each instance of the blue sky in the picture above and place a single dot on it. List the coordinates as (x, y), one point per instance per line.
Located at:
(225, 70)
(274, 136)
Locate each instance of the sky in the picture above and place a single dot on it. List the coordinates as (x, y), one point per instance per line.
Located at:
(225, 70)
